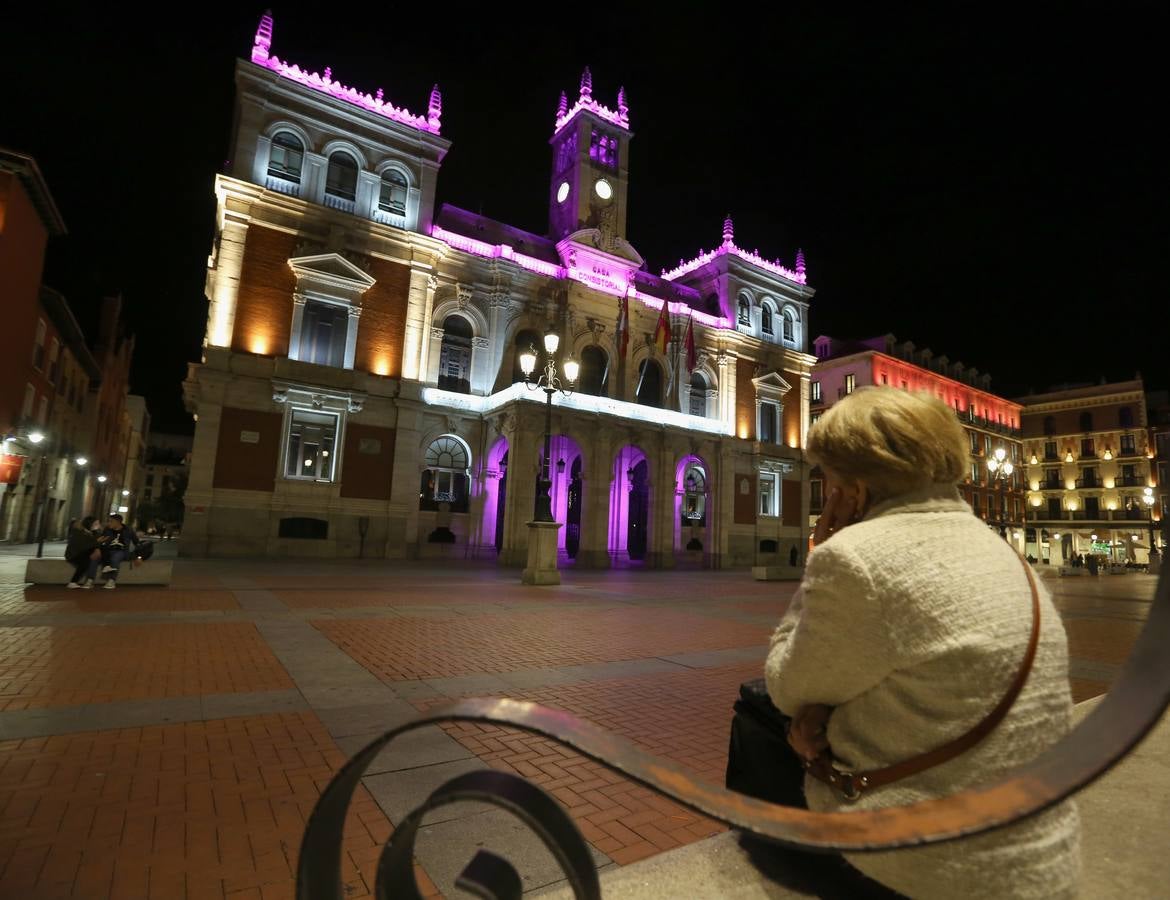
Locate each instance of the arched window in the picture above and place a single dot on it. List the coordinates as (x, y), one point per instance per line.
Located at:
(524, 339)
(694, 505)
(789, 325)
(455, 355)
(698, 403)
(766, 319)
(393, 196)
(745, 310)
(594, 377)
(649, 387)
(445, 478)
(1086, 421)
(286, 156)
(341, 179)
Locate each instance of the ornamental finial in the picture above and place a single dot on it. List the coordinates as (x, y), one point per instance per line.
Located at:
(586, 84)
(799, 262)
(623, 109)
(435, 107)
(562, 106)
(728, 230)
(263, 40)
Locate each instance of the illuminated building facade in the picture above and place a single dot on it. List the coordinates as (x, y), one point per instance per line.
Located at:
(360, 391)
(1090, 460)
(992, 423)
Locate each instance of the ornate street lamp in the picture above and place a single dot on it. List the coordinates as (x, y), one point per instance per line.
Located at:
(1148, 499)
(1001, 469)
(548, 382)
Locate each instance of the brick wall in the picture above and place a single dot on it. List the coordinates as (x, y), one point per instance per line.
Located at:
(791, 502)
(245, 465)
(790, 427)
(745, 504)
(745, 400)
(264, 306)
(369, 462)
(382, 327)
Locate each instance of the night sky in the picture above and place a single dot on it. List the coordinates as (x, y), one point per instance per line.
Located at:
(987, 181)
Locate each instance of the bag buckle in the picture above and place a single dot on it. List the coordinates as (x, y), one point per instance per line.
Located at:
(850, 785)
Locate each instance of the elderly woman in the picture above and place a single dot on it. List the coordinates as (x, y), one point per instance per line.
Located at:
(913, 622)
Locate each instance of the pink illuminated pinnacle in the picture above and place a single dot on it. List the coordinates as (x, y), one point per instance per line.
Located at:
(263, 40)
(728, 230)
(586, 85)
(623, 109)
(799, 262)
(562, 106)
(435, 107)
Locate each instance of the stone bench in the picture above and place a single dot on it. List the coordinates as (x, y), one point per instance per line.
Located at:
(59, 571)
(1120, 814)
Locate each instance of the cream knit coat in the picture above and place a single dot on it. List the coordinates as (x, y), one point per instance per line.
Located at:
(912, 623)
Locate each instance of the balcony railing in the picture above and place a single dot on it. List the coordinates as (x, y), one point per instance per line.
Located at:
(1092, 454)
(385, 217)
(1129, 451)
(1091, 482)
(283, 185)
(1130, 481)
(1052, 457)
(343, 204)
(1053, 484)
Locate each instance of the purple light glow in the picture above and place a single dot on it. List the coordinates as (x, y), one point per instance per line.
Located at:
(261, 56)
(491, 489)
(728, 247)
(619, 497)
(585, 101)
(561, 446)
(680, 489)
(496, 251)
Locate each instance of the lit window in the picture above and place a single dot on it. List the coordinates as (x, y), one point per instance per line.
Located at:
(30, 399)
(769, 422)
(444, 480)
(594, 375)
(455, 355)
(698, 398)
(789, 325)
(323, 332)
(286, 157)
(603, 148)
(312, 436)
(694, 502)
(1127, 445)
(850, 383)
(769, 494)
(341, 179)
(745, 310)
(54, 360)
(766, 319)
(649, 387)
(393, 196)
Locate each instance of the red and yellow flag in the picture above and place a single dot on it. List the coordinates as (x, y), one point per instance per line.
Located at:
(689, 345)
(662, 330)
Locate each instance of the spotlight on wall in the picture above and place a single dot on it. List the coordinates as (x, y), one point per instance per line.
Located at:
(102, 479)
(81, 461)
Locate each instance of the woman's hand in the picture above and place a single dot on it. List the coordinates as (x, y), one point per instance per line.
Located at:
(841, 509)
(807, 733)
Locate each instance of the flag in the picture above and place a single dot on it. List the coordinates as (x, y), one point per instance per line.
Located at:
(662, 330)
(623, 327)
(689, 343)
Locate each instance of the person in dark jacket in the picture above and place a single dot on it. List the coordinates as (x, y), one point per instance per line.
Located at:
(117, 542)
(83, 550)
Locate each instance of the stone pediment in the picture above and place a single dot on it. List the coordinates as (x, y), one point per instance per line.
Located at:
(771, 384)
(603, 241)
(330, 270)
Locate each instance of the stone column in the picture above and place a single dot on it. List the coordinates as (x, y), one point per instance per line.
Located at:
(498, 304)
(420, 297)
(298, 323)
(436, 348)
(402, 520)
(662, 507)
(480, 365)
(194, 538)
(726, 365)
(595, 514)
(224, 282)
(313, 173)
(369, 186)
(523, 464)
(351, 335)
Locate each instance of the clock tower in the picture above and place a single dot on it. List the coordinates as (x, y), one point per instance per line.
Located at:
(590, 164)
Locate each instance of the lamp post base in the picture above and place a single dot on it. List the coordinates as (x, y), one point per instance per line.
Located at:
(542, 554)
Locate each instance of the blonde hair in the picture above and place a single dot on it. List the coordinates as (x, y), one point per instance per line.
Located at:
(892, 440)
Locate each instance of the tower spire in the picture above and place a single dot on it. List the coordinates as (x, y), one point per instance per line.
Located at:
(728, 230)
(799, 262)
(623, 109)
(562, 106)
(262, 43)
(586, 84)
(435, 107)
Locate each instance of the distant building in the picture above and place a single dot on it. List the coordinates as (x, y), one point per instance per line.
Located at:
(110, 424)
(135, 475)
(168, 460)
(1089, 460)
(361, 389)
(992, 423)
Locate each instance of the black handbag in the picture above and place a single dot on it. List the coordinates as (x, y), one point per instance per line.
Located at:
(760, 762)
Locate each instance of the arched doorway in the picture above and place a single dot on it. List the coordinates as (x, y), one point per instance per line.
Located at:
(501, 499)
(573, 511)
(629, 506)
(455, 355)
(495, 488)
(691, 505)
(594, 377)
(638, 523)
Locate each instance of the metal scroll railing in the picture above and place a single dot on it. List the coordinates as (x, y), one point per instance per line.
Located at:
(1133, 706)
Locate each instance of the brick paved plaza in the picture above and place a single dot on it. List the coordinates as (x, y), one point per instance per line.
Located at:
(171, 742)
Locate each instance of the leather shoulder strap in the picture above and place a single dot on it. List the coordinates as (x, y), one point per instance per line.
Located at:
(851, 784)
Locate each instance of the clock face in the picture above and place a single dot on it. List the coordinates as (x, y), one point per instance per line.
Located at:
(563, 192)
(603, 189)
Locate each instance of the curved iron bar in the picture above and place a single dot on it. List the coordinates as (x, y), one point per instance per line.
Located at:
(487, 875)
(1126, 714)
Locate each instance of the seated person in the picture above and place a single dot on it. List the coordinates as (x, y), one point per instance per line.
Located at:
(82, 550)
(117, 541)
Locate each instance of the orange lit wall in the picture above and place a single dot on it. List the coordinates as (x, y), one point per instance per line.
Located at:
(382, 326)
(954, 393)
(745, 401)
(790, 429)
(264, 306)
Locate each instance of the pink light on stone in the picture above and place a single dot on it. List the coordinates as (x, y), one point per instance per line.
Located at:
(585, 101)
(619, 498)
(729, 248)
(261, 56)
(497, 251)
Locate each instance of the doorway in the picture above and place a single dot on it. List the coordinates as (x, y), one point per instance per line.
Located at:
(636, 537)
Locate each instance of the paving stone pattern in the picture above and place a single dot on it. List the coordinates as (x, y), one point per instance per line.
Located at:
(171, 742)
